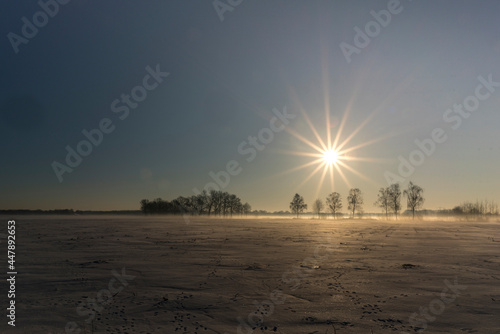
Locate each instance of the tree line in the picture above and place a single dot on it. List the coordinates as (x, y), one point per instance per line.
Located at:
(389, 199)
(215, 203)
(483, 207)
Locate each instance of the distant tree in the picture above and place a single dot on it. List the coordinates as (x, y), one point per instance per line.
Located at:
(238, 206)
(216, 202)
(484, 207)
(383, 200)
(394, 193)
(217, 199)
(334, 203)
(234, 204)
(355, 200)
(414, 197)
(318, 206)
(200, 202)
(145, 207)
(297, 205)
(493, 208)
(225, 203)
(247, 208)
(211, 201)
(159, 205)
(458, 210)
(182, 205)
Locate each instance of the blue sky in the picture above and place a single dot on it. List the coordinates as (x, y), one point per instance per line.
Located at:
(225, 78)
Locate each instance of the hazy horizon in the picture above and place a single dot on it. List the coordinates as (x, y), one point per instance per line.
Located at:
(179, 91)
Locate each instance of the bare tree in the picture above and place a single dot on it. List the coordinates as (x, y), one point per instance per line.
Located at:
(493, 208)
(297, 205)
(383, 200)
(210, 202)
(234, 204)
(355, 200)
(484, 207)
(145, 206)
(395, 198)
(183, 205)
(414, 197)
(247, 208)
(334, 203)
(318, 206)
(214, 203)
(200, 202)
(226, 202)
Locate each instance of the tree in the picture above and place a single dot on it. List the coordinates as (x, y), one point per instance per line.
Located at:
(297, 205)
(414, 197)
(182, 205)
(209, 205)
(394, 193)
(383, 200)
(247, 208)
(318, 207)
(234, 204)
(334, 203)
(200, 202)
(225, 203)
(217, 201)
(145, 206)
(355, 200)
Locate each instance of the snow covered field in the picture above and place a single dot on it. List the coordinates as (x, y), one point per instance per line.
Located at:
(137, 274)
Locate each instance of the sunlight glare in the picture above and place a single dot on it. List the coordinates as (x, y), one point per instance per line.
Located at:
(330, 156)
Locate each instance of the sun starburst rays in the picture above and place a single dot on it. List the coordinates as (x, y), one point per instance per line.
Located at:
(337, 153)
(331, 156)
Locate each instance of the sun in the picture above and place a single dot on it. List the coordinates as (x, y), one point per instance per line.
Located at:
(330, 156)
(332, 152)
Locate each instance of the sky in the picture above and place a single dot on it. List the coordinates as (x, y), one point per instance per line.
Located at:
(171, 93)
